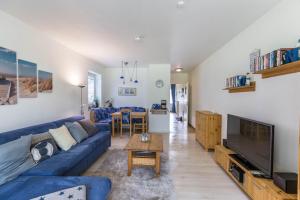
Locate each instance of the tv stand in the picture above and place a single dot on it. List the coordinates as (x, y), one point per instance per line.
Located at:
(256, 188)
(247, 165)
(243, 161)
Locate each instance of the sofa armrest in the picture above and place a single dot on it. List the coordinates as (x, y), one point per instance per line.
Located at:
(103, 126)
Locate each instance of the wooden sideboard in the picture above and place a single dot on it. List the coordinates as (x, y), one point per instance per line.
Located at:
(208, 129)
(255, 188)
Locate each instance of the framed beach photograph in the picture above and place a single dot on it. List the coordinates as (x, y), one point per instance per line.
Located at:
(45, 82)
(27, 79)
(126, 91)
(8, 77)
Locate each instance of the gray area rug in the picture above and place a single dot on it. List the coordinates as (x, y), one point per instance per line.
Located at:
(141, 185)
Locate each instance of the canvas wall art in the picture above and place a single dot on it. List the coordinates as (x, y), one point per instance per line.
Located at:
(27, 79)
(126, 91)
(45, 82)
(8, 77)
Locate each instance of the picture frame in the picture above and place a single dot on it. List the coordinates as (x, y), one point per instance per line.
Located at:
(126, 91)
(8, 77)
(45, 81)
(27, 79)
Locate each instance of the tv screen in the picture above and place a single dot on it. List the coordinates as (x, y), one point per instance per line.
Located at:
(253, 141)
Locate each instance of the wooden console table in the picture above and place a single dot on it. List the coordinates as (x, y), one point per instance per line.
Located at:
(152, 155)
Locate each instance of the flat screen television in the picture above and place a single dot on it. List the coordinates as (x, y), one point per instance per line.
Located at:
(253, 141)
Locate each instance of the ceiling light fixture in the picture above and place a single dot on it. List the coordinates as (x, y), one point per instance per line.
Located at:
(180, 3)
(178, 69)
(139, 38)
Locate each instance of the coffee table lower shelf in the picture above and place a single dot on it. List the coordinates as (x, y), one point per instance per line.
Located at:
(153, 160)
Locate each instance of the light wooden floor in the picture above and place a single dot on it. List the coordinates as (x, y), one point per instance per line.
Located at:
(194, 172)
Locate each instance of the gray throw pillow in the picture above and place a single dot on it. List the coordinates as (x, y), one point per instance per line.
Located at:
(76, 130)
(88, 126)
(15, 158)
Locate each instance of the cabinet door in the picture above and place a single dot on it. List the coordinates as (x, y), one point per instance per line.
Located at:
(248, 185)
(198, 126)
(218, 156)
(259, 192)
(203, 129)
(211, 139)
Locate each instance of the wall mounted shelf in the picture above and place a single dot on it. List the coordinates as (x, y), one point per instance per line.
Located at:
(159, 112)
(289, 68)
(249, 88)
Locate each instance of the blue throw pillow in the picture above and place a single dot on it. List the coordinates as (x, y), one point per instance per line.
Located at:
(15, 158)
(76, 130)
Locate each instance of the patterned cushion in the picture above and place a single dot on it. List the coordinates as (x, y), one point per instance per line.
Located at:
(78, 192)
(43, 150)
(125, 117)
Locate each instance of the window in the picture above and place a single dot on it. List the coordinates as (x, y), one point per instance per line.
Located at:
(94, 89)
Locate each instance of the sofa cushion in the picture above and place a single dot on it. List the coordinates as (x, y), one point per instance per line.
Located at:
(63, 137)
(27, 187)
(61, 122)
(15, 134)
(15, 158)
(88, 126)
(76, 130)
(97, 139)
(37, 138)
(108, 121)
(60, 163)
(43, 150)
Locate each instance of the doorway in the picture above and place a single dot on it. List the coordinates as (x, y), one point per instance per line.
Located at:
(179, 95)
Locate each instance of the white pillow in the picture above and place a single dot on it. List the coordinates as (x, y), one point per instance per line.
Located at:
(63, 137)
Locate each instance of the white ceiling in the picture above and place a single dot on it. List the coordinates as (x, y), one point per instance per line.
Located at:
(104, 30)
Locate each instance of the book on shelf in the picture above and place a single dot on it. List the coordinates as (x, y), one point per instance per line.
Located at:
(274, 59)
(236, 81)
(291, 55)
(254, 60)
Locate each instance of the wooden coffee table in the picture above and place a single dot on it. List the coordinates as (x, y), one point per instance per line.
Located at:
(144, 153)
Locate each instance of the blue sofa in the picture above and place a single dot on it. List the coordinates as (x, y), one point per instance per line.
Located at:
(103, 115)
(49, 175)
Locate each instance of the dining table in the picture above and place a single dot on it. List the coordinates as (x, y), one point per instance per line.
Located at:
(116, 116)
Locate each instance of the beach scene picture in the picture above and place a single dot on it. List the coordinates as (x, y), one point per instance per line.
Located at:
(8, 77)
(45, 82)
(27, 79)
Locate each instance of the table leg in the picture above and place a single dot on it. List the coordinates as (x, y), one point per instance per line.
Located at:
(121, 125)
(130, 123)
(129, 163)
(157, 163)
(113, 126)
(143, 122)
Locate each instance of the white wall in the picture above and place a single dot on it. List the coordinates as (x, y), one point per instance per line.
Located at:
(68, 68)
(179, 78)
(276, 100)
(112, 81)
(159, 123)
(147, 93)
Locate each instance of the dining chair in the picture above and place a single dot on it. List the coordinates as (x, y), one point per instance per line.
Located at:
(138, 125)
(125, 119)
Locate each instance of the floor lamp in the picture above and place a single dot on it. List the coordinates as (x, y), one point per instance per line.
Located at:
(81, 105)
